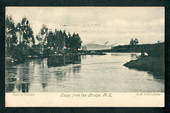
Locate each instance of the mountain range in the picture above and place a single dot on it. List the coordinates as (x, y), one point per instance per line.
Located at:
(98, 46)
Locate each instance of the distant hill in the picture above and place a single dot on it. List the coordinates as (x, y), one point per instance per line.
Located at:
(93, 46)
(138, 48)
(156, 49)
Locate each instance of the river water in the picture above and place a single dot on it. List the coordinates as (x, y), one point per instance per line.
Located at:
(90, 73)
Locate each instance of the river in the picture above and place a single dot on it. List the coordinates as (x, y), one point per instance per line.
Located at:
(92, 73)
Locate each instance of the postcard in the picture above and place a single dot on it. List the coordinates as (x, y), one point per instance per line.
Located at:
(84, 56)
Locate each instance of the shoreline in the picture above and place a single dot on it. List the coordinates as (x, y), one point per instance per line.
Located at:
(13, 62)
(154, 65)
(150, 64)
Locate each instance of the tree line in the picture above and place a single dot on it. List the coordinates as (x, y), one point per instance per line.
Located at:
(58, 40)
(20, 40)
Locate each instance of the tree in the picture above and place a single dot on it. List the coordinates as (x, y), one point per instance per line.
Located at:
(42, 37)
(59, 40)
(10, 32)
(75, 42)
(134, 41)
(65, 39)
(68, 41)
(158, 41)
(131, 41)
(44, 32)
(56, 40)
(26, 31)
(50, 41)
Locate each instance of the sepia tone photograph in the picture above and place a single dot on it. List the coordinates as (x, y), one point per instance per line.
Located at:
(84, 49)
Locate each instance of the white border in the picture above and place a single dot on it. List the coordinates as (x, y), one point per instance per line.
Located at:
(89, 99)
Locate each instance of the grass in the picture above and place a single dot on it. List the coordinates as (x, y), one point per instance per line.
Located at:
(151, 64)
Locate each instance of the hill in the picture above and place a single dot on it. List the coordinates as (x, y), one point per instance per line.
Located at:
(93, 46)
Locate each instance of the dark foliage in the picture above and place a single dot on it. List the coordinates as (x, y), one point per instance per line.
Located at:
(20, 42)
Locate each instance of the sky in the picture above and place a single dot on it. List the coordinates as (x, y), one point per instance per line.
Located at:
(98, 24)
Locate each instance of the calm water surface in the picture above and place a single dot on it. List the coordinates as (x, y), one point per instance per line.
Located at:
(89, 74)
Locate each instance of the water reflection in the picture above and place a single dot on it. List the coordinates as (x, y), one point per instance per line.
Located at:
(83, 56)
(43, 74)
(133, 56)
(9, 87)
(77, 73)
(23, 81)
(10, 79)
(62, 60)
(76, 69)
(23, 87)
(61, 73)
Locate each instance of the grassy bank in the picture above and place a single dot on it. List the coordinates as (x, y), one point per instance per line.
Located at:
(135, 48)
(154, 65)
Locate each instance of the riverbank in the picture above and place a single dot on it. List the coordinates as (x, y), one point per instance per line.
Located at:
(13, 61)
(150, 64)
(134, 48)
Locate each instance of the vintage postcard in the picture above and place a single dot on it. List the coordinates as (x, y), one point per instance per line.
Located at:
(84, 56)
